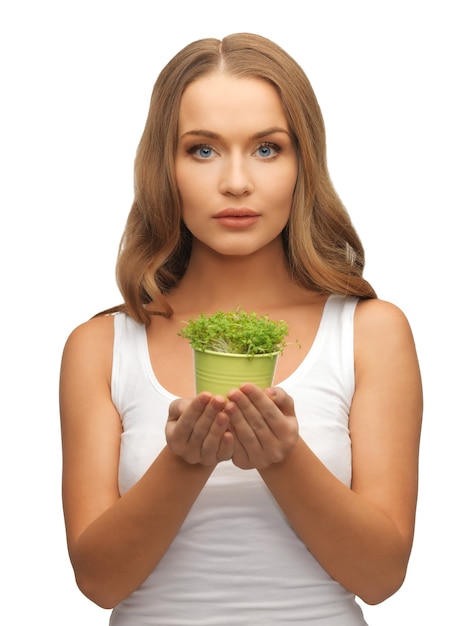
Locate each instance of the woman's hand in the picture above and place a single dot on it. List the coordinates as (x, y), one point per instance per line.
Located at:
(263, 424)
(197, 430)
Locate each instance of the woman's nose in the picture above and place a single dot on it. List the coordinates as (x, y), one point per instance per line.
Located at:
(236, 179)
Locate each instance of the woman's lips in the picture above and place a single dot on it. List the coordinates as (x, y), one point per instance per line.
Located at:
(237, 218)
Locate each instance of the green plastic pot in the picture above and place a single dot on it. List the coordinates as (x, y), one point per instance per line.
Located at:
(219, 372)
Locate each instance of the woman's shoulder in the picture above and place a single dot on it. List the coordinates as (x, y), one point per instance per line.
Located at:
(92, 340)
(97, 328)
(382, 332)
(375, 315)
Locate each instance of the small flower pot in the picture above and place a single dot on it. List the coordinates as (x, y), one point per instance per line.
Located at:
(219, 372)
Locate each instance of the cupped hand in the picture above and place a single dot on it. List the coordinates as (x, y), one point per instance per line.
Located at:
(197, 430)
(263, 424)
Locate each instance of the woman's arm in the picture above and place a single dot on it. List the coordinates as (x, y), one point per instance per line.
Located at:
(115, 542)
(361, 536)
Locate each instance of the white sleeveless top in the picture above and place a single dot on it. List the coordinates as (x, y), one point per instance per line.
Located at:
(236, 561)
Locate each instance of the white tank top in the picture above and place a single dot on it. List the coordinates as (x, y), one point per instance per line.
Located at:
(236, 561)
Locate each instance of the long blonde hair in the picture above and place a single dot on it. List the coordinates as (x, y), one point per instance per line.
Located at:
(323, 250)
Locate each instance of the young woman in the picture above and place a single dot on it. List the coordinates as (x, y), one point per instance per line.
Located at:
(270, 506)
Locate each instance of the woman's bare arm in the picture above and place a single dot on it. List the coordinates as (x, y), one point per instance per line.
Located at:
(115, 542)
(363, 536)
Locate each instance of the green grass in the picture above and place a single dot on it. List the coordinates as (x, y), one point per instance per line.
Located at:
(236, 332)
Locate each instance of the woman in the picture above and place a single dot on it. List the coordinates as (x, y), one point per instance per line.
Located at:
(269, 506)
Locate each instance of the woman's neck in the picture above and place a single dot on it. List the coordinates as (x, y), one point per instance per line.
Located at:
(212, 281)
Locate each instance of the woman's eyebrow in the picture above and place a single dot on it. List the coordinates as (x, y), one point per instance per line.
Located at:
(270, 131)
(201, 133)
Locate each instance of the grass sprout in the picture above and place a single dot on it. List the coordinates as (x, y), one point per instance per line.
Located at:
(236, 332)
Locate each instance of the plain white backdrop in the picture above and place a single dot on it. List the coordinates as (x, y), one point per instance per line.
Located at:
(392, 79)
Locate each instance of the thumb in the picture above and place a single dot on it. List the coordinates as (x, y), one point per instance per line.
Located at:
(282, 400)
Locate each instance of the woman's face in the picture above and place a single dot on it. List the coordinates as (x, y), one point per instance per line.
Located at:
(236, 165)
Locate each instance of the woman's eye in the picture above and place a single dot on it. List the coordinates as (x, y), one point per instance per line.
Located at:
(268, 150)
(202, 152)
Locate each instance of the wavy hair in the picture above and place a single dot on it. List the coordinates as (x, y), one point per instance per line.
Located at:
(323, 250)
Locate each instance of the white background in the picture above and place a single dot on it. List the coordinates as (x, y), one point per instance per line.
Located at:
(393, 82)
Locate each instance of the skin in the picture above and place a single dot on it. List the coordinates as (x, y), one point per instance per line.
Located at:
(362, 536)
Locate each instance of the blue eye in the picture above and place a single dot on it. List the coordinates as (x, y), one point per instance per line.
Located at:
(203, 152)
(268, 150)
